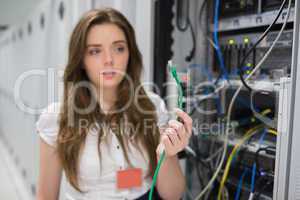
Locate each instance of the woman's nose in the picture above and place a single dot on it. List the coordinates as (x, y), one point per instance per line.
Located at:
(108, 58)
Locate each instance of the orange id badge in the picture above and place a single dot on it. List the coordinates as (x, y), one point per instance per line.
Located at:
(129, 178)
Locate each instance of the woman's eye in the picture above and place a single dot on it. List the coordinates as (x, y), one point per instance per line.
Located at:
(94, 51)
(120, 49)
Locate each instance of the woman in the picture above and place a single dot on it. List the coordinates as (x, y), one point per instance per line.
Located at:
(105, 137)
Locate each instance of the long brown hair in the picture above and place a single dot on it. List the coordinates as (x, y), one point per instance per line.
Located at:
(71, 138)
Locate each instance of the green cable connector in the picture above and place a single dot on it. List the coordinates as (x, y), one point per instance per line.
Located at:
(172, 70)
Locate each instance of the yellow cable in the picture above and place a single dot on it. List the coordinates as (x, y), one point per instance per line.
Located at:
(243, 140)
(248, 135)
(274, 132)
(264, 112)
(267, 111)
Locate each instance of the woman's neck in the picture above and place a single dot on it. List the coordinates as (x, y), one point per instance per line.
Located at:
(107, 99)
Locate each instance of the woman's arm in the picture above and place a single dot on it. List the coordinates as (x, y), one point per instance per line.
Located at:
(49, 174)
(171, 181)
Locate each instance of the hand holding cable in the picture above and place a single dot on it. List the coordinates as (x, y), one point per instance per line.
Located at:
(175, 136)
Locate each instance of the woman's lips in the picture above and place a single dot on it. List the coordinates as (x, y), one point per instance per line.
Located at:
(109, 75)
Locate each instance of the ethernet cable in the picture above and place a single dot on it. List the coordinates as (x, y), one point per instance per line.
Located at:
(261, 139)
(173, 72)
(268, 121)
(247, 136)
(239, 188)
(201, 26)
(216, 40)
(263, 35)
(251, 196)
(258, 66)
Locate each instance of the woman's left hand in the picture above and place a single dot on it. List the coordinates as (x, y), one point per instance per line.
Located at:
(175, 137)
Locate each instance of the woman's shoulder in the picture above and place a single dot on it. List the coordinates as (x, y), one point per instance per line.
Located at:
(160, 106)
(50, 112)
(53, 108)
(47, 124)
(156, 99)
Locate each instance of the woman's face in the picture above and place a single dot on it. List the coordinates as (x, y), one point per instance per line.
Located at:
(106, 56)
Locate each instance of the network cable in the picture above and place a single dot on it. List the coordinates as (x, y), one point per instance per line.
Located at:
(173, 72)
(251, 196)
(216, 40)
(241, 64)
(254, 166)
(239, 188)
(247, 136)
(201, 26)
(258, 66)
(268, 121)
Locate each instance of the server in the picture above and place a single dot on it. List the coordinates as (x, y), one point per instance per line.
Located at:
(238, 89)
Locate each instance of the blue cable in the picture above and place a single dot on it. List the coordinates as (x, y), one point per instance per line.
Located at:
(216, 40)
(204, 69)
(253, 177)
(261, 139)
(239, 188)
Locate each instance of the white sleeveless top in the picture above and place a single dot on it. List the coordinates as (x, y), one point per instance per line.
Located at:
(101, 184)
